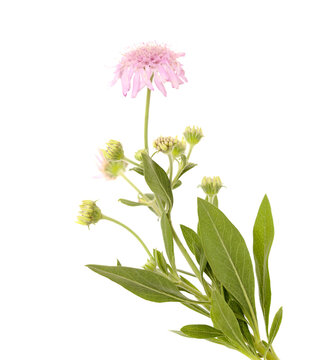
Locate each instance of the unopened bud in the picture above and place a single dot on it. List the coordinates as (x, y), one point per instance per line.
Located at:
(89, 213)
(114, 150)
(150, 264)
(179, 148)
(138, 155)
(211, 186)
(193, 135)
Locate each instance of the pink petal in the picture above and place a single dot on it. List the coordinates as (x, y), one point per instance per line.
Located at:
(159, 84)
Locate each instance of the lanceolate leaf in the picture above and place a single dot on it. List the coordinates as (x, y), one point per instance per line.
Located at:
(201, 331)
(146, 284)
(130, 203)
(263, 234)
(192, 241)
(224, 319)
(168, 239)
(275, 325)
(157, 180)
(227, 255)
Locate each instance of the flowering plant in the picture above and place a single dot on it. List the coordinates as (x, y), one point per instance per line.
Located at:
(216, 253)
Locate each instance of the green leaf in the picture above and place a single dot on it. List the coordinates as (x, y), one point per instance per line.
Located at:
(201, 331)
(263, 234)
(130, 203)
(228, 256)
(186, 168)
(192, 241)
(177, 184)
(138, 170)
(157, 180)
(146, 284)
(168, 239)
(224, 319)
(275, 325)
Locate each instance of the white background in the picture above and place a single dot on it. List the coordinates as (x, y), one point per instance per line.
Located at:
(251, 67)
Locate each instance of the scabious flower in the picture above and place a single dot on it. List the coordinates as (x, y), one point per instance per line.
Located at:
(165, 144)
(193, 135)
(211, 186)
(146, 63)
(110, 169)
(89, 213)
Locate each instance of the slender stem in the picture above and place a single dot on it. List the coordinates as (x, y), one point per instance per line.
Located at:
(185, 272)
(131, 161)
(184, 251)
(134, 187)
(150, 203)
(131, 231)
(170, 158)
(190, 151)
(146, 120)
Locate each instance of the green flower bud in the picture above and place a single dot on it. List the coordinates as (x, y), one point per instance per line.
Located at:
(165, 144)
(179, 148)
(114, 150)
(193, 135)
(138, 155)
(89, 213)
(150, 265)
(211, 186)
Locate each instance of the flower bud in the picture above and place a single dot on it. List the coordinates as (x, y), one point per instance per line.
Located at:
(211, 186)
(193, 135)
(110, 169)
(89, 213)
(138, 155)
(114, 150)
(150, 264)
(179, 148)
(165, 144)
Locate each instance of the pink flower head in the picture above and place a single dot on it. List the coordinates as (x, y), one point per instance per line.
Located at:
(146, 63)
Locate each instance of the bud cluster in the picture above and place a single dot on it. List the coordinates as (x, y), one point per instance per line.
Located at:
(165, 144)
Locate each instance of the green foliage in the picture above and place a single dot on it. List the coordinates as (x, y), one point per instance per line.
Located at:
(275, 325)
(224, 319)
(228, 256)
(168, 239)
(157, 180)
(130, 203)
(263, 234)
(146, 284)
(201, 331)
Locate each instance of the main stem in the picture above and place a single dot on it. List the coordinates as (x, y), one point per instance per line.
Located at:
(131, 231)
(184, 251)
(146, 120)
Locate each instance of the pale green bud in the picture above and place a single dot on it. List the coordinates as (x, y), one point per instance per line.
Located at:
(179, 148)
(211, 186)
(138, 155)
(114, 150)
(165, 144)
(193, 135)
(150, 264)
(89, 213)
